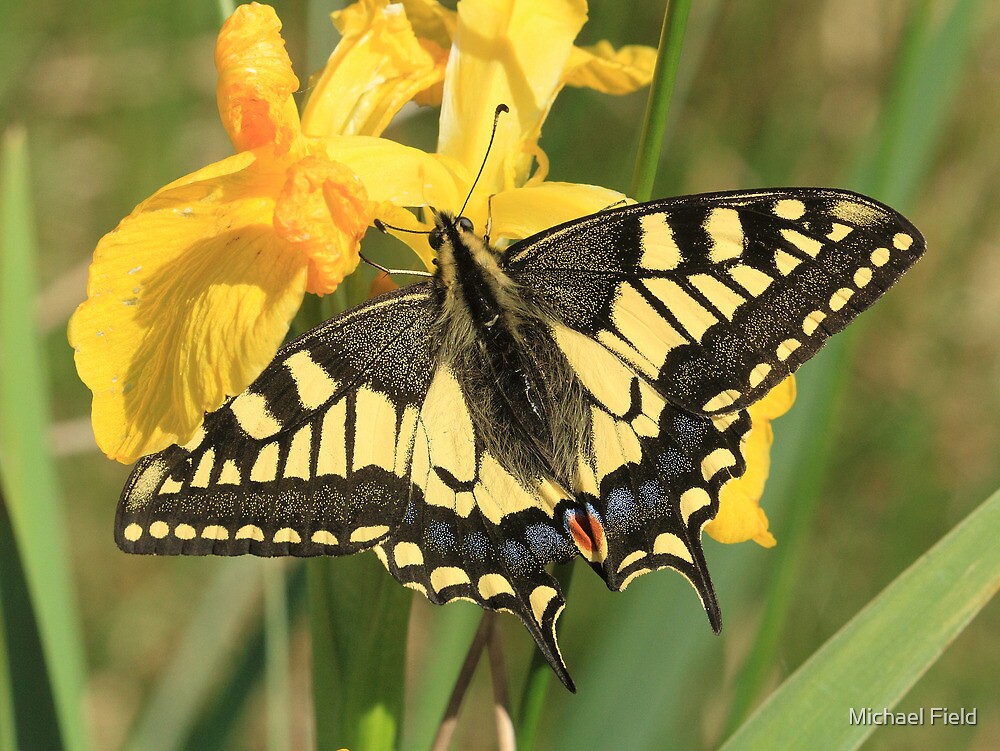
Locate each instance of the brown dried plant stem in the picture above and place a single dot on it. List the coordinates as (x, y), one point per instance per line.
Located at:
(447, 727)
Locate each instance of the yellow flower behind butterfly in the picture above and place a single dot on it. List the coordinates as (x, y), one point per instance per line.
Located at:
(192, 294)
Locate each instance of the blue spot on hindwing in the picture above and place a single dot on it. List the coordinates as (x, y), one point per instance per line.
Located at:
(517, 559)
(623, 511)
(649, 493)
(547, 543)
(689, 430)
(673, 463)
(476, 546)
(438, 536)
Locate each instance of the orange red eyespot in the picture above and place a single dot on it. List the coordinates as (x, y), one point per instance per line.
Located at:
(588, 533)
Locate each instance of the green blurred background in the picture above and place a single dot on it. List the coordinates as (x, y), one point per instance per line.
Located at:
(895, 438)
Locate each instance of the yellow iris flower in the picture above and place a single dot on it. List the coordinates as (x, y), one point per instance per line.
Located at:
(192, 294)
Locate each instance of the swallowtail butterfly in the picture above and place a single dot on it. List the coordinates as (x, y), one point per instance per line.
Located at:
(582, 393)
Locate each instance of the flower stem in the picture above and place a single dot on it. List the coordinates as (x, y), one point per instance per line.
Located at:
(657, 108)
(537, 684)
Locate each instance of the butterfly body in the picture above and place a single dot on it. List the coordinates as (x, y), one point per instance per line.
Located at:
(582, 392)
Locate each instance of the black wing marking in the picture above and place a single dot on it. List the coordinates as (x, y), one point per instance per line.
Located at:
(716, 298)
(355, 437)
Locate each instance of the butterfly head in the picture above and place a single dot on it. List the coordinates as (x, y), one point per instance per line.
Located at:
(449, 229)
(459, 248)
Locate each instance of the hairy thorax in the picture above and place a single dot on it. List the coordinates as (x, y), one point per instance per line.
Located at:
(523, 397)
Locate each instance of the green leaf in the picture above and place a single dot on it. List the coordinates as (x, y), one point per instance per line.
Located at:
(435, 667)
(29, 473)
(920, 97)
(223, 716)
(875, 659)
(658, 107)
(359, 616)
(278, 672)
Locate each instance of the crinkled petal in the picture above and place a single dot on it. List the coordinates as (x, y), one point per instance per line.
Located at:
(378, 66)
(608, 70)
(323, 211)
(740, 517)
(400, 174)
(256, 82)
(522, 212)
(188, 300)
(511, 52)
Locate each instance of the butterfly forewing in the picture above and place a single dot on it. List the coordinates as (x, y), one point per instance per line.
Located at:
(313, 458)
(716, 298)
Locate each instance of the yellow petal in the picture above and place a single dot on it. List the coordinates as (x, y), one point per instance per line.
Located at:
(188, 300)
(777, 402)
(511, 52)
(378, 66)
(323, 211)
(524, 211)
(400, 174)
(740, 517)
(610, 71)
(255, 85)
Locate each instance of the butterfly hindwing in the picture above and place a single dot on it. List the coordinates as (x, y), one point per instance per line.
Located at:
(651, 475)
(312, 459)
(716, 298)
(472, 530)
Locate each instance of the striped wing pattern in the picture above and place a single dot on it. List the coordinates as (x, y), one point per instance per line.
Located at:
(354, 438)
(652, 477)
(674, 316)
(716, 298)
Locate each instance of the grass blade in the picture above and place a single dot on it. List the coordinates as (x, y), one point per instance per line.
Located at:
(879, 655)
(359, 616)
(278, 657)
(224, 715)
(658, 107)
(28, 716)
(917, 105)
(29, 473)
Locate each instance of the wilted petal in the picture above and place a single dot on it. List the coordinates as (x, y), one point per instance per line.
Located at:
(740, 517)
(378, 66)
(188, 300)
(323, 211)
(611, 71)
(509, 52)
(256, 81)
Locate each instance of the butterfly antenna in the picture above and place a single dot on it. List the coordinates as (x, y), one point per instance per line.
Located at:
(383, 227)
(496, 120)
